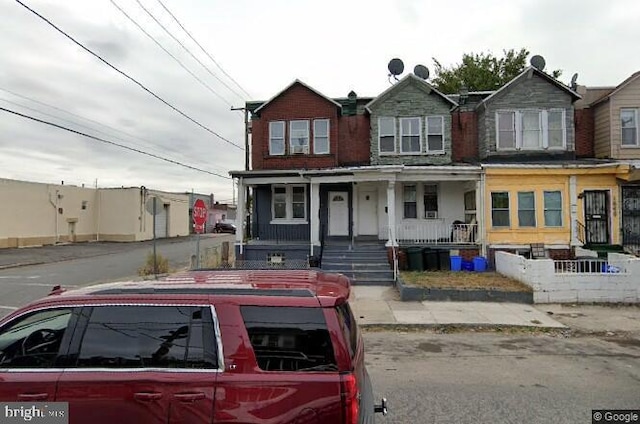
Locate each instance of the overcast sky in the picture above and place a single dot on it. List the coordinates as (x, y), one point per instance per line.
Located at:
(333, 45)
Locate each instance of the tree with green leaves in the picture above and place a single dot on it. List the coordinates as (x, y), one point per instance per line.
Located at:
(481, 71)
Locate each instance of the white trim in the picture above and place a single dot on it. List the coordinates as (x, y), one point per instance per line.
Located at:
(543, 129)
(328, 136)
(544, 209)
(288, 219)
(284, 137)
(304, 149)
(427, 134)
(637, 127)
(402, 134)
(514, 126)
(288, 222)
(500, 227)
(380, 135)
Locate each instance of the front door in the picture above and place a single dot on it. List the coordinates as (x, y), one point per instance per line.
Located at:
(338, 213)
(631, 217)
(596, 216)
(367, 213)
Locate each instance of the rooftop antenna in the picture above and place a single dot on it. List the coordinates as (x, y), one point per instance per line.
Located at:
(396, 67)
(574, 81)
(421, 71)
(538, 62)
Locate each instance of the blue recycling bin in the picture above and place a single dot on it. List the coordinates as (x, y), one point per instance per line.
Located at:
(456, 263)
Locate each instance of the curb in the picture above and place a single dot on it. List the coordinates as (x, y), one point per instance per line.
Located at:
(462, 327)
(21, 264)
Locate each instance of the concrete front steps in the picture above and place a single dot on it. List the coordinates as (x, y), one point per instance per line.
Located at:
(365, 263)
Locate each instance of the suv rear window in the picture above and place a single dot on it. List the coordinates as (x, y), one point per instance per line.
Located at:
(349, 327)
(136, 336)
(289, 338)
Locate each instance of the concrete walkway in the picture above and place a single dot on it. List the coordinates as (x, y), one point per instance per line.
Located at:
(374, 305)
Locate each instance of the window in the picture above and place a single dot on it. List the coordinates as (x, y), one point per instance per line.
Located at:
(430, 201)
(149, 337)
(469, 206)
(410, 204)
(435, 134)
(556, 131)
(33, 341)
(506, 130)
(299, 137)
(500, 209)
(276, 138)
(629, 124)
(289, 338)
(84, 205)
(552, 209)
(526, 209)
(349, 327)
(387, 135)
(289, 202)
(321, 136)
(531, 129)
(410, 135)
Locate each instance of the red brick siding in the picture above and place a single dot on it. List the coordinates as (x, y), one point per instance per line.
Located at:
(469, 254)
(584, 124)
(464, 136)
(348, 136)
(560, 254)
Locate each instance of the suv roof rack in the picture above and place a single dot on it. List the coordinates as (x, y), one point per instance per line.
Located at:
(207, 290)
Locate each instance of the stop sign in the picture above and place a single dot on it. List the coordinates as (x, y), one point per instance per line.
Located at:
(199, 215)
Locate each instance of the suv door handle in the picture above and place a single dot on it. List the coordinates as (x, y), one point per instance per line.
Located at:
(33, 396)
(189, 397)
(147, 396)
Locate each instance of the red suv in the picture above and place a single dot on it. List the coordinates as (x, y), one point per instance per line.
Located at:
(203, 346)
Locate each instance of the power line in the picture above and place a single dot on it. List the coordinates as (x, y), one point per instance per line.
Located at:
(129, 77)
(203, 50)
(186, 49)
(175, 162)
(207, 86)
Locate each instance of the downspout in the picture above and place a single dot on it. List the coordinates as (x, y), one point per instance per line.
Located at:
(55, 212)
(482, 218)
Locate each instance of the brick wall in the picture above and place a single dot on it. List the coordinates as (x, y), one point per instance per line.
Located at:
(584, 121)
(464, 136)
(348, 136)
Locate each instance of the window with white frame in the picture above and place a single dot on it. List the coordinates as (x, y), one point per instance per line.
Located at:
(500, 209)
(387, 135)
(552, 209)
(629, 126)
(410, 201)
(276, 138)
(289, 202)
(430, 198)
(526, 209)
(435, 133)
(299, 137)
(321, 136)
(469, 206)
(410, 136)
(531, 129)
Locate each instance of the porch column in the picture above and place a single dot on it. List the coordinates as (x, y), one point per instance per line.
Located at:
(391, 213)
(240, 215)
(314, 216)
(573, 210)
(480, 216)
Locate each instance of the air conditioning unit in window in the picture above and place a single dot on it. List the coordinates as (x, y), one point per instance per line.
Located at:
(431, 214)
(298, 150)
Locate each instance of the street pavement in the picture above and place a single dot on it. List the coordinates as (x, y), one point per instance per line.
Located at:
(381, 306)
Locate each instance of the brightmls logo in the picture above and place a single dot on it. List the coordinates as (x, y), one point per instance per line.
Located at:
(34, 412)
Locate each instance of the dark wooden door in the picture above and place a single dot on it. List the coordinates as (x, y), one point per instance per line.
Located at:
(596, 216)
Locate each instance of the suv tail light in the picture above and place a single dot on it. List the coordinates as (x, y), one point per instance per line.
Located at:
(350, 398)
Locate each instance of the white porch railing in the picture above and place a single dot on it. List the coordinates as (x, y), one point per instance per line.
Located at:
(436, 232)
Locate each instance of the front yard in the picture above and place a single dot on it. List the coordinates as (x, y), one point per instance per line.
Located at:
(462, 281)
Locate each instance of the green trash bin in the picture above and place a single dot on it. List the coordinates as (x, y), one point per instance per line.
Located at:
(415, 258)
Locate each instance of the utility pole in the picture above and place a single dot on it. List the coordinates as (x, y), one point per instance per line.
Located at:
(246, 164)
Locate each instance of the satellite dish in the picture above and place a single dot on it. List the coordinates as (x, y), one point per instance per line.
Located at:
(538, 62)
(421, 71)
(396, 67)
(574, 81)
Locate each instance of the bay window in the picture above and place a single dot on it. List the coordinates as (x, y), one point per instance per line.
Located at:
(531, 129)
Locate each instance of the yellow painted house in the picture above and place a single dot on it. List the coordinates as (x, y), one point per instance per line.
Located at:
(558, 206)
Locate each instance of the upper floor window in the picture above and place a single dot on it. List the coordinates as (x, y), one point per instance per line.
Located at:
(276, 138)
(629, 124)
(531, 129)
(299, 137)
(321, 136)
(435, 133)
(410, 135)
(387, 135)
(289, 202)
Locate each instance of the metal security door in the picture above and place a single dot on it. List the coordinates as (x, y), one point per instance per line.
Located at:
(596, 216)
(631, 217)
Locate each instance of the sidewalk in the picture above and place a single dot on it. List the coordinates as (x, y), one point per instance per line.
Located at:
(374, 305)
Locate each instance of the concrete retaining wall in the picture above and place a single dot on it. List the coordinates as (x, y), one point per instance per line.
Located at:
(550, 286)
